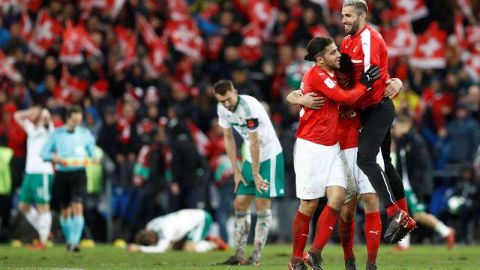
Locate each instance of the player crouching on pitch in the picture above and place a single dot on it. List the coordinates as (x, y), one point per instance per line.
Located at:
(319, 164)
(186, 229)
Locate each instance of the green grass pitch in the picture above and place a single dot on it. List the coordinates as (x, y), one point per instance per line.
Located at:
(274, 257)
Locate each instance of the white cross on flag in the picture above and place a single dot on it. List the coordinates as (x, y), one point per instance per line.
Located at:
(47, 29)
(430, 49)
(472, 65)
(264, 14)
(76, 39)
(400, 39)
(410, 9)
(7, 69)
(185, 37)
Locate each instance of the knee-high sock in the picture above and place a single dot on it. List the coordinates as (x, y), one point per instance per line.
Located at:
(325, 224)
(264, 220)
(67, 227)
(32, 217)
(346, 231)
(402, 203)
(301, 227)
(242, 228)
(78, 223)
(44, 225)
(373, 235)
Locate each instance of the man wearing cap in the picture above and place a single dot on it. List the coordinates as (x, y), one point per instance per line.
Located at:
(362, 47)
(317, 136)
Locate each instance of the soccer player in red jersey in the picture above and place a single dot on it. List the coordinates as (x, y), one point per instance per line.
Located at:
(319, 167)
(362, 47)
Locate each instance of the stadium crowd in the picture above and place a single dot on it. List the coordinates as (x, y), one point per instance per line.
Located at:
(143, 73)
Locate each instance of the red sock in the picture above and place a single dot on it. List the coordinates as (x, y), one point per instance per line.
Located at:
(301, 226)
(392, 209)
(325, 224)
(402, 203)
(373, 234)
(346, 231)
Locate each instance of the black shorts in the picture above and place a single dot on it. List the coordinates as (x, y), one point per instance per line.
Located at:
(69, 187)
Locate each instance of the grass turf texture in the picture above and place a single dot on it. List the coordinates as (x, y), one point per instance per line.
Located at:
(274, 257)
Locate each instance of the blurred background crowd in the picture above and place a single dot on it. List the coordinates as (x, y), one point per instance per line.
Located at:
(143, 70)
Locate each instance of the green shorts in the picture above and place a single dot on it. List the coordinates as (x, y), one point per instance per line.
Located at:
(272, 170)
(36, 188)
(414, 205)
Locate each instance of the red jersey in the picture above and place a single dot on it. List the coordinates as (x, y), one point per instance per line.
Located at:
(320, 126)
(348, 126)
(367, 48)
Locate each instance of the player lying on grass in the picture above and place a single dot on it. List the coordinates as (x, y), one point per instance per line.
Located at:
(185, 230)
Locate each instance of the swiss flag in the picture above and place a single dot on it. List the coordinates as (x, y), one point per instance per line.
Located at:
(127, 41)
(263, 14)
(251, 50)
(25, 27)
(201, 140)
(185, 37)
(47, 29)
(146, 30)
(110, 7)
(430, 49)
(157, 54)
(410, 9)
(179, 10)
(76, 39)
(7, 69)
(71, 88)
(400, 39)
(472, 65)
(473, 34)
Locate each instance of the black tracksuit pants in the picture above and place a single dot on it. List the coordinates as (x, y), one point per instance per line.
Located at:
(375, 134)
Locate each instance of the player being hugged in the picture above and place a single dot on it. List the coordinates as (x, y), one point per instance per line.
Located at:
(319, 165)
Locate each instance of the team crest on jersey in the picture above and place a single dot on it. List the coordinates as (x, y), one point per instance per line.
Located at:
(329, 83)
(252, 123)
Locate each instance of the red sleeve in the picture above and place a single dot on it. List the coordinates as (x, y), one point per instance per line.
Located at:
(332, 90)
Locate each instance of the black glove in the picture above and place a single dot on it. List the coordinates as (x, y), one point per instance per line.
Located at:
(370, 76)
(346, 65)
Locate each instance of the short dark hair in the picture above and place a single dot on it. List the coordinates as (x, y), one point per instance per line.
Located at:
(316, 47)
(222, 87)
(146, 238)
(73, 109)
(360, 5)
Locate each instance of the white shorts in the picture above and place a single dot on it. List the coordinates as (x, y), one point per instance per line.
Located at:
(316, 168)
(357, 181)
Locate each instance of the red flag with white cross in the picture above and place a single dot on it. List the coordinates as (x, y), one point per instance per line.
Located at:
(46, 30)
(410, 9)
(430, 49)
(400, 39)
